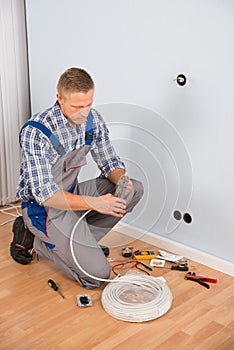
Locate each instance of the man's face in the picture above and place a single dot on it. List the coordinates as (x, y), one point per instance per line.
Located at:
(76, 105)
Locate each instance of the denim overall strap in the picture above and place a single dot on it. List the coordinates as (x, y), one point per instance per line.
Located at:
(89, 129)
(53, 139)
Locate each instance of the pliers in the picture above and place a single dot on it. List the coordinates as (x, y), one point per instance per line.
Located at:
(200, 279)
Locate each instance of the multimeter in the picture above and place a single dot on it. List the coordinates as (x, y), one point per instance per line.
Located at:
(144, 254)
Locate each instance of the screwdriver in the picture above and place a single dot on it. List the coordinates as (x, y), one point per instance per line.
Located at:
(179, 267)
(53, 285)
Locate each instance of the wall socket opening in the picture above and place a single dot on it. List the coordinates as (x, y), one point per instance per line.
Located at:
(187, 218)
(177, 215)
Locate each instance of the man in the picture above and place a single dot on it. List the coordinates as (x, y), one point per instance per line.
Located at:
(54, 145)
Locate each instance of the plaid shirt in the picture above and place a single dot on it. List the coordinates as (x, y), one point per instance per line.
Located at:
(38, 155)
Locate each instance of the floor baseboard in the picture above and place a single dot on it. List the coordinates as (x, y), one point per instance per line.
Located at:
(177, 248)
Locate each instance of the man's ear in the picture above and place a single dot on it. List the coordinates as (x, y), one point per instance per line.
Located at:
(59, 97)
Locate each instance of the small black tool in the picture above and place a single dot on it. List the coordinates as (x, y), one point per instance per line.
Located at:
(126, 252)
(180, 268)
(146, 266)
(54, 286)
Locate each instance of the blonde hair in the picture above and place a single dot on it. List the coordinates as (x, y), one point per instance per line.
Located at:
(74, 80)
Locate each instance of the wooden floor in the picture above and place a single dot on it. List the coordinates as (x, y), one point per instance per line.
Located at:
(33, 316)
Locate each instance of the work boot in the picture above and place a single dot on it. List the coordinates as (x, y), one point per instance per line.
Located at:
(21, 248)
(105, 250)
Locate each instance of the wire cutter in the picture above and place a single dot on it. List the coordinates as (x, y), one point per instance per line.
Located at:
(200, 279)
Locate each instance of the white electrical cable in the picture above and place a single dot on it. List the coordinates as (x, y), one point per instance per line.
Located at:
(134, 297)
(73, 254)
(146, 299)
(5, 211)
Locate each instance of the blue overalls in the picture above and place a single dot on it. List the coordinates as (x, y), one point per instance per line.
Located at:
(52, 227)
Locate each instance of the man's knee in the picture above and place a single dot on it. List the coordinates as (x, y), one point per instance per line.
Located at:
(138, 188)
(135, 195)
(91, 283)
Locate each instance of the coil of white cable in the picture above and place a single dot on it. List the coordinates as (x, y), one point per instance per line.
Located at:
(133, 297)
(137, 298)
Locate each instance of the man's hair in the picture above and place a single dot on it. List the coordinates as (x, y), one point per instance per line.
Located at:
(74, 80)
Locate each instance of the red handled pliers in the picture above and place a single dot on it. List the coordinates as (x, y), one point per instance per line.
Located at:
(200, 279)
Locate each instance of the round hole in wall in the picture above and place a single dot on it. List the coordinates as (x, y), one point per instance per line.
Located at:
(177, 215)
(187, 218)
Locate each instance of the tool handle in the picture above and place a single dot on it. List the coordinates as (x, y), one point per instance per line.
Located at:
(179, 268)
(53, 285)
(146, 266)
(211, 280)
(203, 283)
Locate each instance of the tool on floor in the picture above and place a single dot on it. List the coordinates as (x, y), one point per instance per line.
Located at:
(200, 279)
(181, 266)
(146, 266)
(177, 267)
(126, 252)
(54, 286)
(134, 264)
(144, 254)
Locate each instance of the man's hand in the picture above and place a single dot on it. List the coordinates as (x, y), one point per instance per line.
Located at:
(115, 177)
(108, 204)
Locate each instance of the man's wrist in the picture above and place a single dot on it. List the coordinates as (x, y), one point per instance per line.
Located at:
(115, 175)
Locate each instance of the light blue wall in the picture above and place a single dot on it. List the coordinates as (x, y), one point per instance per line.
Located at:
(177, 140)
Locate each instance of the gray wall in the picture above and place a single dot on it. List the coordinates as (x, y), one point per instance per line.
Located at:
(177, 140)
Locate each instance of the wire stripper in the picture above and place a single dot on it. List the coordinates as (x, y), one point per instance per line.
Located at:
(200, 279)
